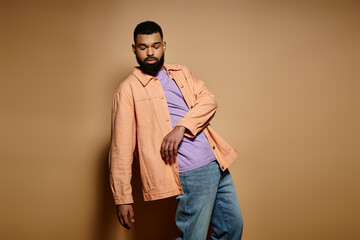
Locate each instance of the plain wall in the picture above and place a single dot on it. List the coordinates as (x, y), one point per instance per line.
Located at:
(286, 78)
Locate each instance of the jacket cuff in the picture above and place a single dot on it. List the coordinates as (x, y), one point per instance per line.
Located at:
(191, 130)
(119, 200)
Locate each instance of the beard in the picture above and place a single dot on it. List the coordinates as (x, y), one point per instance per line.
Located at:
(151, 69)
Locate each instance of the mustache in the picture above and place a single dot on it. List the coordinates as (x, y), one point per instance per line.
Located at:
(151, 58)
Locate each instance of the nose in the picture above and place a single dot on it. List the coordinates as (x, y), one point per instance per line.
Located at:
(150, 51)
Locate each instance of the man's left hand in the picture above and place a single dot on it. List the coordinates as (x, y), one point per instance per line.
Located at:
(171, 143)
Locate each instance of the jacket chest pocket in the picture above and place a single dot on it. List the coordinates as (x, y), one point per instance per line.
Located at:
(144, 112)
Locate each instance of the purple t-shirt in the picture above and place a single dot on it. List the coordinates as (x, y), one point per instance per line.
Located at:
(192, 152)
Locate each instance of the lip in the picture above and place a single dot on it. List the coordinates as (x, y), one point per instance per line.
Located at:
(151, 61)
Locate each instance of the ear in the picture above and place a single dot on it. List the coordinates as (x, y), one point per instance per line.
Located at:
(164, 46)
(133, 48)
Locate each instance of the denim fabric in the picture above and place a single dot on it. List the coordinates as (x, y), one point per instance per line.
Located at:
(209, 197)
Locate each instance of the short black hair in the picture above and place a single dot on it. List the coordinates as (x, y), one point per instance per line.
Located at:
(147, 27)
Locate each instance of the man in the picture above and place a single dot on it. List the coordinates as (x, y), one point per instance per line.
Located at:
(161, 113)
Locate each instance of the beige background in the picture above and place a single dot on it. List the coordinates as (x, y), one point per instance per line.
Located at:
(287, 81)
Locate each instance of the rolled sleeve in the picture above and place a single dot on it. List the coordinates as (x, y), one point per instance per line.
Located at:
(203, 110)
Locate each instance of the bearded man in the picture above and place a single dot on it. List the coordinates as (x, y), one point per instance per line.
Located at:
(161, 115)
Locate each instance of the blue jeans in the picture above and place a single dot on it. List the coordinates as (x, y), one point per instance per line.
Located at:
(209, 198)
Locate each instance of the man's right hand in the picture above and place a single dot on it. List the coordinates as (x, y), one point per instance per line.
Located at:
(125, 214)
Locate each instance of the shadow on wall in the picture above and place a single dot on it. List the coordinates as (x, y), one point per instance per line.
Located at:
(153, 220)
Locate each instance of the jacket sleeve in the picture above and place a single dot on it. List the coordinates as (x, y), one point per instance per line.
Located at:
(123, 141)
(203, 110)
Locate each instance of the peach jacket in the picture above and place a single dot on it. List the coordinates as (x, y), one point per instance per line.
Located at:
(140, 121)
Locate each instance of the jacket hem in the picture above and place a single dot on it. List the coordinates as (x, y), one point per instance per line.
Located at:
(151, 196)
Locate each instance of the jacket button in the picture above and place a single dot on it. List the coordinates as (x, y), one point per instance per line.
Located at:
(213, 147)
(181, 86)
(191, 107)
(223, 167)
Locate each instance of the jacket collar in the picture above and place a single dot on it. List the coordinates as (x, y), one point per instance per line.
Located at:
(145, 78)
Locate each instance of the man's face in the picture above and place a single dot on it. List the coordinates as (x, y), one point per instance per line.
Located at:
(149, 51)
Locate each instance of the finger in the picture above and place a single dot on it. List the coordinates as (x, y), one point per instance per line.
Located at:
(175, 152)
(126, 221)
(171, 151)
(162, 149)
(176, 146)
(166, 151)
(120, 220)
(132, 217)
